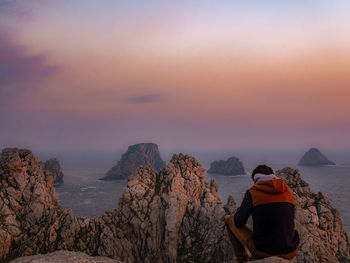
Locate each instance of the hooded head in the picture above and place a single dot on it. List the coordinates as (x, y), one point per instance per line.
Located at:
(262, 171)
(268, 188)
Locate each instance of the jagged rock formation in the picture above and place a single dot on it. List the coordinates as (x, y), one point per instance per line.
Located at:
(137, 155)
(173, 215)
(323, 237)
(232, 166)
(53, 165)
(64, 257)
(314, 157)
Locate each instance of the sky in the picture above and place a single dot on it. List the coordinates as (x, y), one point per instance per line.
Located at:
(205, 75)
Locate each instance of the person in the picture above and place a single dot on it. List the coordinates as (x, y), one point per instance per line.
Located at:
(272, 206)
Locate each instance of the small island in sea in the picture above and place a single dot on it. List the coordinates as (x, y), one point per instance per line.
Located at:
(232, 166)
(142, 154)
(53, 165)
(313, 157)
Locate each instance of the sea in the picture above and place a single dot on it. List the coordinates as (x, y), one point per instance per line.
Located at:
(86, 195)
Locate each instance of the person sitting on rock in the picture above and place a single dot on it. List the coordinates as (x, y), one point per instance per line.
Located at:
(272, 206)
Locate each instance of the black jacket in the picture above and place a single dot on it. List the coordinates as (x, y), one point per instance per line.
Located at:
(271, 204)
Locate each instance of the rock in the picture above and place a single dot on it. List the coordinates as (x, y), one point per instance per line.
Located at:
(230, 206)
(173, 215)
(232, 166)
(322, 235)
(137, 155)
(64, 257)
(166, 216)
(271, 260)
(53, 166)
(314, 157)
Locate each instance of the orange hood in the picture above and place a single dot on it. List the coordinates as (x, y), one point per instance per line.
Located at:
(271, 191)
(273, 186)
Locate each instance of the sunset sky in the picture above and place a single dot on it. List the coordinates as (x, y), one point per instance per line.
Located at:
(208, 75)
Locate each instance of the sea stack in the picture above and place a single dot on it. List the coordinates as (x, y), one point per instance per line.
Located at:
(314, 157)
(53, 165)
(142, 154)
(232, 166)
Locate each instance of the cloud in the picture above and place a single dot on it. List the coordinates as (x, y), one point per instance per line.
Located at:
(16, 9)
(20, 72)
(150, 98)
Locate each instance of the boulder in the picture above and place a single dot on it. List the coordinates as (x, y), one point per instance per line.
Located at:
(143, 154)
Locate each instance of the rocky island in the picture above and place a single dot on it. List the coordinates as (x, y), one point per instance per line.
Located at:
(142, 154)
(173, 215)
(314, 157)
(232, 166)
(53, 166)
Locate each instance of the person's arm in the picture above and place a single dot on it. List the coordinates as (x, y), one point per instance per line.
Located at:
(243, 212)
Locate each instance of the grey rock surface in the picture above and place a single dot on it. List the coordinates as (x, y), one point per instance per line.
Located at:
(142, 154)
(232, 166)
(313, 157)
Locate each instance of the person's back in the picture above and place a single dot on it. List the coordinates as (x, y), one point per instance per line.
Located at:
(271, 204)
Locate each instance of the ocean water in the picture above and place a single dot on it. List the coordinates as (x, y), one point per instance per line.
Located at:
(87, 196)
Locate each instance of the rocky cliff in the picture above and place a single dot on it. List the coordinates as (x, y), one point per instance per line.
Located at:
(137, 155)
(167, 216)
(314, 157)
(323, 237)
(54, 167)
(173, 215)
(232, 166)
(64, 257)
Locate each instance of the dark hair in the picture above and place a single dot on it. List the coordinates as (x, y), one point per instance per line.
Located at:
(262, 169)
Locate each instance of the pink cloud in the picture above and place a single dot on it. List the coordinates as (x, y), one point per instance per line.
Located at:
(20, 72)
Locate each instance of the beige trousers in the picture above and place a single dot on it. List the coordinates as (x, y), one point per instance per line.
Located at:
(243, 237)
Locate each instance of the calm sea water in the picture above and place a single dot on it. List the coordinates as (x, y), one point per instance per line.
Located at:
(88, 196)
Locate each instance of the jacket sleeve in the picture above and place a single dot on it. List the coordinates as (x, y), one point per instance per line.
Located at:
(243, 212)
